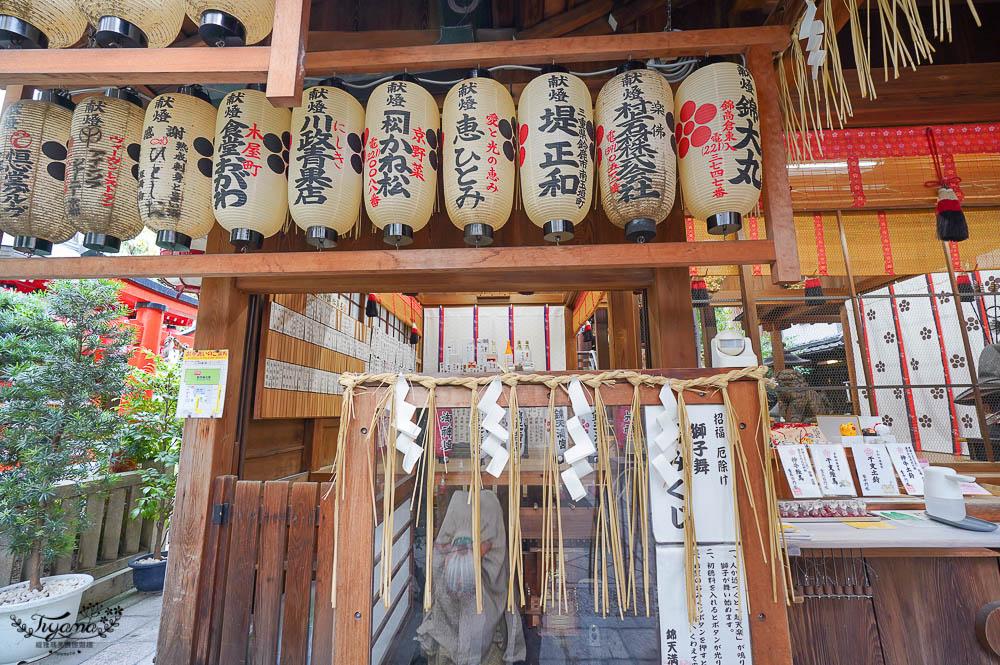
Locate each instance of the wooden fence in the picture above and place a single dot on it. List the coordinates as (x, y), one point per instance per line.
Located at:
(104, 548)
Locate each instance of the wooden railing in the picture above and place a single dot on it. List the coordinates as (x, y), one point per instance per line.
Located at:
(105, 546)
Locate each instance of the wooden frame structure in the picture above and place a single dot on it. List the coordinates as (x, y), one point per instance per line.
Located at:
(212, 447)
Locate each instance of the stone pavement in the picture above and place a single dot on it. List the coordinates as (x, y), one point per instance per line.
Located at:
(133, 641)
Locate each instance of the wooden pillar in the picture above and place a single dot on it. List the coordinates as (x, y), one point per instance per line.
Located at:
(355, 538)
(286, 68)
(672, 341)
(571, 341)
(209, 449)
(984, 428)
(623, 327)
(751, 325)
(858, 324)
(777, 351)
(777, 195)
(601, 342)
(852, 370)
(671, 319)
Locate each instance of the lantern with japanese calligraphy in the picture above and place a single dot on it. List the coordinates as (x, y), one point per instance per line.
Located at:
(718, 145)
(636, 162)
(478, 118)
(40, 23)
(556, 154)
(250, 189)
(33, 135)
(102, 169)
(134, 23)
(325, 164)
(231, 22)
(402, 155)
(175, 167)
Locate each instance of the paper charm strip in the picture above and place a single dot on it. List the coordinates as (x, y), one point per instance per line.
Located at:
(662, 446)
(407, 431)
(582, 448)
(496, 434)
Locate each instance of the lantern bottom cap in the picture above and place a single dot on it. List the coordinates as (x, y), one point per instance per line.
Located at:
(399, 235)
(322, 237)
(724, 223)
(117, 32)
(218, 28)
(478, 234)
(246, 239)
(33, 245)
(18, 33)
(102, 242)
(558, 230)
(173, 241)
(640, 230)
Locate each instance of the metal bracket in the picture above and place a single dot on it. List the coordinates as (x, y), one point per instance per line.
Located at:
(220, 513)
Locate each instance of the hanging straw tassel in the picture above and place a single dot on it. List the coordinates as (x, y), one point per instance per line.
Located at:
(951, 224)
(635, 441)
(553, 555)
(515, 545)
(475, 439)
(691, 571)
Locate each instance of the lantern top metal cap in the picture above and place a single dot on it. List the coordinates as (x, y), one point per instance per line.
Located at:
(629, 65)
(56, 96)
(333, 82)
(195, 90)
(128, 94)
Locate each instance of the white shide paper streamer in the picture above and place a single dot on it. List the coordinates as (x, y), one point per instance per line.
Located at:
(582, 448)
(407, 431)
(496, 434)
(663, 444)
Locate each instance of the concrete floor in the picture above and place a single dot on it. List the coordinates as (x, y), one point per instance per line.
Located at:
(133, 641)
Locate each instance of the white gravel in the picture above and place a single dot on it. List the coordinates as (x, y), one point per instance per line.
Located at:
(21, 593)
(149, 560)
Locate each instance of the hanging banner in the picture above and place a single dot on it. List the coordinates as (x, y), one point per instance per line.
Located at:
(203, 384)
(721, 633)
(711, 474)
(832, 470)
(874, 468)
(799, 472)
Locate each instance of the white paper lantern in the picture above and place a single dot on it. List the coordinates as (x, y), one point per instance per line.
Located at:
(401, 158)
(636, 159)
(40, 23)
(718, 145)
(250, 190)
(478, 121)
(325, 164)
(232, 22)
(134, 23)
(102, 169)
(175, 167)
(556, 154)
(33, 137)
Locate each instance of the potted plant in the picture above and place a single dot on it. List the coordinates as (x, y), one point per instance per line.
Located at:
(153, 433)
(63, 363)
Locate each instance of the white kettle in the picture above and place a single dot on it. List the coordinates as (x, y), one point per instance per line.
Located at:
(942, 493)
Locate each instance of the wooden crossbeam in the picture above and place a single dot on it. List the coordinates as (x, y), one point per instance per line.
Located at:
(541, 51)
(503, 268)
(568, 20)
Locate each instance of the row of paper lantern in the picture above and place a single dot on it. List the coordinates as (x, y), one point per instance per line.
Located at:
(321, 160)
(131, 23)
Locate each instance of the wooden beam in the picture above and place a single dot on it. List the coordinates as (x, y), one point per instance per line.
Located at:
(412, 270)
(89, 67)
(777, 195)
(572, 360)
(777, 350)
(751, 324)
(623, 329)
(541, 51)
(568, 20)
(286, 67)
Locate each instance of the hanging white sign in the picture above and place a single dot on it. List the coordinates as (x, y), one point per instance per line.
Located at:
(874, 469)
(721, 634)
(711, 473)
(799, 472)
(832, 470)
(203, 384)
(907, 466)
